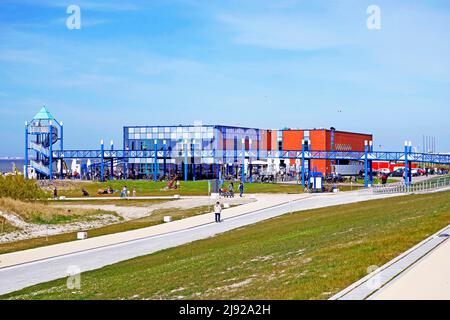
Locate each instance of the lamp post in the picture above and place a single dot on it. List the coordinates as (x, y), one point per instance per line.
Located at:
(125, 164)
(26, 151)
(193, 160)
(303, 163)
(102, 158)
(50, 154)
(249, 160)
(155, 160)
(370, 163)
(111, 170)
(243, 161)
(185, 160)
(405, 171)
(410, 163)
(164, 157)
(366, 176)
(61, 147)
(309, 160)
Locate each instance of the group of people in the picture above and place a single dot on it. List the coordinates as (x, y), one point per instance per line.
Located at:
(226, 192)
(124, 193)
(229, 192)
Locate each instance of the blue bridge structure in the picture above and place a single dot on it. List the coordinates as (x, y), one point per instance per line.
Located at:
(44, 147)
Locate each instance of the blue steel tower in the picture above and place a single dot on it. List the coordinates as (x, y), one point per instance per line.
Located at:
(42, 134)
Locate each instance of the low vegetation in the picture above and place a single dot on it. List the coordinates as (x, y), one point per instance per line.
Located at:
(18, 188)
(42, 213)
(5, 226)
(305, 255)
(154, 219)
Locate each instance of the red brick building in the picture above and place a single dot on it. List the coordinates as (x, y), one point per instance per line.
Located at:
(324, 140)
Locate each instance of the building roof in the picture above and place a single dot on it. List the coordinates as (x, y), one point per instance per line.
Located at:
(43, 114)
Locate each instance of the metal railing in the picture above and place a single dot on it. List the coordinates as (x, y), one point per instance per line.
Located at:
(425, 186)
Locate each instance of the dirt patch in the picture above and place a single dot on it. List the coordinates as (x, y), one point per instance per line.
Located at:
(31, 230)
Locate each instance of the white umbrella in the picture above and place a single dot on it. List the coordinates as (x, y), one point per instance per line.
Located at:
(73, 167)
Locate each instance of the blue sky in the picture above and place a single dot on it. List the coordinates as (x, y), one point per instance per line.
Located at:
(269, 64)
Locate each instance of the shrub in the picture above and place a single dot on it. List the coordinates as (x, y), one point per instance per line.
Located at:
(19, 188)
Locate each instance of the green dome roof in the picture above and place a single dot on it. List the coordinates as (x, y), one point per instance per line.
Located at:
(43, 114)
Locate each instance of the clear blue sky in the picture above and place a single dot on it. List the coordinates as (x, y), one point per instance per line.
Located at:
(270, 64)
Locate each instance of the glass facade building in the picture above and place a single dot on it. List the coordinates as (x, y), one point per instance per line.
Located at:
(171, 142)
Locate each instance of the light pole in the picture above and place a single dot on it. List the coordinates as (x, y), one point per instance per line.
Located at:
(410, 163)
(26, 150)
(405, 171)
(111, 172)
(249, 160)
(164, 157)
(50, 155)
(155, 160)
(185, 160)
(366, 176)
(193, 160)
(102, 158)
(61, 147)
(303, 163)
(243, 161)
(370, 162)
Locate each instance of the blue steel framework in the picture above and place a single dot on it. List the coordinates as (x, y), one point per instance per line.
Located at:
(303, 155)
(177, 144)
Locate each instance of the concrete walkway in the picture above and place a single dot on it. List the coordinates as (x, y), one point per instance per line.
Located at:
(427, 279)
(25, 268)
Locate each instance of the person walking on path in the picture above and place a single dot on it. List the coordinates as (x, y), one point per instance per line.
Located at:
(217, 211)
(241, 189)
(55, 193)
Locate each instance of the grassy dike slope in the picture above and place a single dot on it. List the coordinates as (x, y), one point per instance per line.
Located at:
(305, 255)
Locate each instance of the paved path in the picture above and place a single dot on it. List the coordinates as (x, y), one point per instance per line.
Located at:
(427, 279)
(25, 268)
(375, 284)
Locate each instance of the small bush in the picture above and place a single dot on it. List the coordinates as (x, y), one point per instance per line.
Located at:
(18, 188)
(42, 213)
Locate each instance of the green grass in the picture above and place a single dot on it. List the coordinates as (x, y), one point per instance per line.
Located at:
(151, 188)
(154, 219)
(306, 255)
(129, 202)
